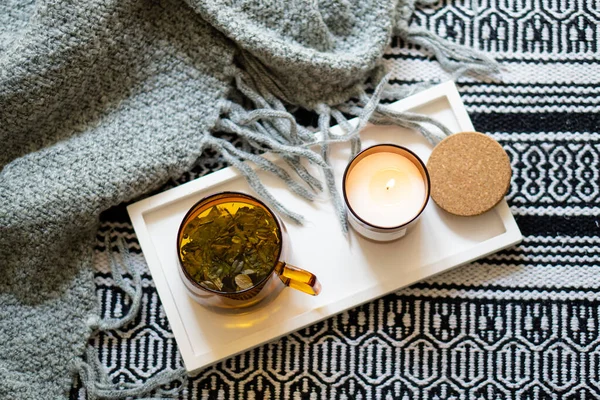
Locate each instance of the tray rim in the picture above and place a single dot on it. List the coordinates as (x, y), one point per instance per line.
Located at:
(195, 362)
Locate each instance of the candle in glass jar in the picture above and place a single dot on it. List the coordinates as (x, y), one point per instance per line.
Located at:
(385, 189)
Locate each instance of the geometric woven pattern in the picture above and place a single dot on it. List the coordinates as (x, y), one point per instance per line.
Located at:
(520, 324)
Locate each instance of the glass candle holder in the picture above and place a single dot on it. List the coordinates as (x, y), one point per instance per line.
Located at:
(386, 188)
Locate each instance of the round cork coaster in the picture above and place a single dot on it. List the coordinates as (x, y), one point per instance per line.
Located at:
(470, 173)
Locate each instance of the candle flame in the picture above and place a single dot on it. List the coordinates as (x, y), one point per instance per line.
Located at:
(390, 184)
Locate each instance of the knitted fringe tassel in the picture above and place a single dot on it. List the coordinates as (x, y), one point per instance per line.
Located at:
(453, 57)
(269, 127)
(91, 372)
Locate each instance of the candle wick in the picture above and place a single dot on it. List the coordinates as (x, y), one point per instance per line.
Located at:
(390, 184)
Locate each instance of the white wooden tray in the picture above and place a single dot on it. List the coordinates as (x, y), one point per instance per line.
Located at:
(351, 269)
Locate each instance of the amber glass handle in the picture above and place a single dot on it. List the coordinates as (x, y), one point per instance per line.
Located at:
(298, 279)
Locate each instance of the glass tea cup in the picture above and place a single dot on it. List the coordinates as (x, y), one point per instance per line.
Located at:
(231, 249)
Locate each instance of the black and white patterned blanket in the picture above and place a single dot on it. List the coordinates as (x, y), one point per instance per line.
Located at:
(520, 324)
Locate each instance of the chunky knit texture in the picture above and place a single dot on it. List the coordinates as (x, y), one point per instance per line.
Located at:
(102, 101)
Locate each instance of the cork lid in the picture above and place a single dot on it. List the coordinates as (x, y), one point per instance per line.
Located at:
(470, 173)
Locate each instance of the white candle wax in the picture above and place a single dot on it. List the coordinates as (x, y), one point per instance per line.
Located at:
(385, 189)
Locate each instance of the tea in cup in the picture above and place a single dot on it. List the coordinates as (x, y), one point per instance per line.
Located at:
(230, 247)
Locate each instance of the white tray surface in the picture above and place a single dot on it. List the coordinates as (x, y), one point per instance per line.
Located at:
(352, 270)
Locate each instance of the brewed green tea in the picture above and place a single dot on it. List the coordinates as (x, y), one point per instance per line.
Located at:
(230, 246)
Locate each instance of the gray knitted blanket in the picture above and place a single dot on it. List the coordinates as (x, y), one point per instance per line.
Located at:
(102, 101)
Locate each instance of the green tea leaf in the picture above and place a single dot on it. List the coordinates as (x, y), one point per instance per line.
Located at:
(218, 283)
(243, 281)
(237, 266)
(209, 285)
